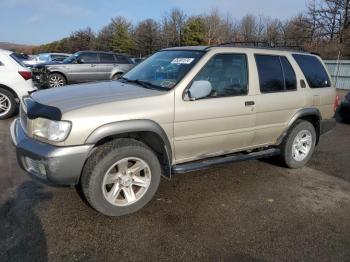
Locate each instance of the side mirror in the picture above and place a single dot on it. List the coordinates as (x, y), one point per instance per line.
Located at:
(80, 61)
(199, 89)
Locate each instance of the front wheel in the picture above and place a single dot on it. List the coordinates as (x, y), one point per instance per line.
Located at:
(121, 177)
(56, 80)
(299, 145)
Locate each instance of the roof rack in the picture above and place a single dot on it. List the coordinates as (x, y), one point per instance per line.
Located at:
(262, 45)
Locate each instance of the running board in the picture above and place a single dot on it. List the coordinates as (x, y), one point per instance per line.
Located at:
(215, 161)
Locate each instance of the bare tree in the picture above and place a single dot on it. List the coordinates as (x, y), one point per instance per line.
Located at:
(147, 37)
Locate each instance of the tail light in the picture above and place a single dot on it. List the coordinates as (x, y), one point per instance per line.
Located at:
(336, 103)
(25, 74)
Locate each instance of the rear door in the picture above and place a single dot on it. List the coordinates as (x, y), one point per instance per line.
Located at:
(107, 64)
(280, 96)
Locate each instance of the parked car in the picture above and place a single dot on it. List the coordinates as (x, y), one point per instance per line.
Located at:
(51, 57)
(15, 82)
(83, 66)
(137, 60)
(344, 109)
(182, 109)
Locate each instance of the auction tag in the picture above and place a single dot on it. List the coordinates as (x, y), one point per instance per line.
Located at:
(186, 61)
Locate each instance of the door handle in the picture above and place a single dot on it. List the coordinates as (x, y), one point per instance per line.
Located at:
(249, 103)
(93, 65)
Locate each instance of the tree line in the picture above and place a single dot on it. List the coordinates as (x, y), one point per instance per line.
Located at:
(323, 28)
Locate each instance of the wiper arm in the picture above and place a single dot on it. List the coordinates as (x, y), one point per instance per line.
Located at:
(144, 84)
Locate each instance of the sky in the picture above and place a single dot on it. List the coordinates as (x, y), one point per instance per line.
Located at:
(43, 21)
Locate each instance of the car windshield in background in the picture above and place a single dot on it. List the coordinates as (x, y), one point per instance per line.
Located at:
(164, 69)
(70, 59)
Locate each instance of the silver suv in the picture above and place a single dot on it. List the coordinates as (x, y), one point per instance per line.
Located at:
(83, 66)
(182, 109)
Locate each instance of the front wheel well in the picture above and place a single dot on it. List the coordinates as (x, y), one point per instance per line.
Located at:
(152, 140)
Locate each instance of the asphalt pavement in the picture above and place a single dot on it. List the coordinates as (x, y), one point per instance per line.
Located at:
(247, 211)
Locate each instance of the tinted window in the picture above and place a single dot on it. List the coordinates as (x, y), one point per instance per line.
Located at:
(107, 58)
(270, 73)
(89, 57)
(227, 74)
(313, 70)
(123, 60)
(58, 57)
(289, 74)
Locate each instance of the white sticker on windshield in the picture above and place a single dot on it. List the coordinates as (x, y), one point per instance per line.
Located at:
(186, 61)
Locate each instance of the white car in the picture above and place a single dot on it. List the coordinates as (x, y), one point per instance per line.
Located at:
(15, 82)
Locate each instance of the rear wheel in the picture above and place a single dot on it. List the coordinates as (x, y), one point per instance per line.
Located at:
(8, 104)
(121, 177)
(56, 80)
(299, 145)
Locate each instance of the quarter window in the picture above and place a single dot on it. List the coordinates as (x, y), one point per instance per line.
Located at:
(313, 70)
(227, 73)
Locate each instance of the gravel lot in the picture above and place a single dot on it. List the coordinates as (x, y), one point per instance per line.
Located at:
(248, 211)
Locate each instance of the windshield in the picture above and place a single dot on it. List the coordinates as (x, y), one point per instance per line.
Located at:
(164, 69)
(71, 58)
(44, 57)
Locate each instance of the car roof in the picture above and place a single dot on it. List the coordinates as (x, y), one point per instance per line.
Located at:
(5, 52)
(99, 52)
(54, 54)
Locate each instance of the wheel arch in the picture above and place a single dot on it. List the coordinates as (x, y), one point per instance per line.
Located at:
(146, 131)
(7, 88)
(311, 115)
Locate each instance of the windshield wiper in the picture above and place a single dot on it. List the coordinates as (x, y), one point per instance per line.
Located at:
(144, 84)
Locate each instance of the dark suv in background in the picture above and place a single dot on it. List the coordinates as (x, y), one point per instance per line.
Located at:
(83, 66)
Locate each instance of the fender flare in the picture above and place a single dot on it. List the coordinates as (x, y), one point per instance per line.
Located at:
(299, 114)
(131, 126)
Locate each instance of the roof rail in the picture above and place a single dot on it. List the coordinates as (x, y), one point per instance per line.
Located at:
(262, 45)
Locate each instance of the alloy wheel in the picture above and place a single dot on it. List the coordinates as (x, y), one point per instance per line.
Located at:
(302, 145)
(5, 104)
(126, 181)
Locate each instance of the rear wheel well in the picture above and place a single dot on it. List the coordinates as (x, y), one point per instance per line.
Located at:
(60, 73)
(152, 140)
(315, 121)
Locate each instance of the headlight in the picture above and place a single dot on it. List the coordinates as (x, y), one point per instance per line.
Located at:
(56, 131)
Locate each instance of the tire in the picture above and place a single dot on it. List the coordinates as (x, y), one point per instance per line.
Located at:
(102, 166)
(117, 76)
(8, 104)
(290, 155)
(56, 80)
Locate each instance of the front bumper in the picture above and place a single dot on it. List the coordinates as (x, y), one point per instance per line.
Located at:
(327, 125)
(50, 164)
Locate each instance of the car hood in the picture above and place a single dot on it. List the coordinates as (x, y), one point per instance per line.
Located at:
(68, 98)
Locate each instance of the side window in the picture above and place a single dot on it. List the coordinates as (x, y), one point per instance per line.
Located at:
(270, 73)
(107, 58)
(122, 59)
(89, 57)
(289, 74)
(227, 73)
(313, 70)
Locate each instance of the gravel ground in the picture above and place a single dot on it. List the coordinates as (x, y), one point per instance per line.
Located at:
(248, 211)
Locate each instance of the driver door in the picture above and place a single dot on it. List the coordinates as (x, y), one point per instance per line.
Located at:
(224, 121)
(87, 68)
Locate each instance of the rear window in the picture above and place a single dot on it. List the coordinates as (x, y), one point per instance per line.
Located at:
(107, 58)
(123, 59)
(17, 60)
(313, 70)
